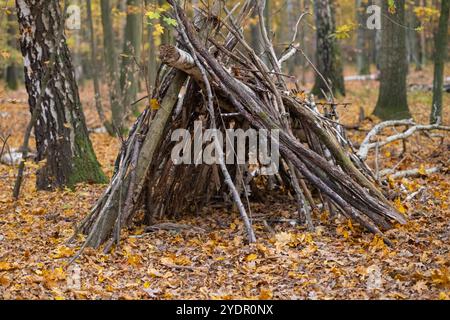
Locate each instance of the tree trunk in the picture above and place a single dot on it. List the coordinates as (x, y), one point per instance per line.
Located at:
(152, 63)
(413, 39)
(166, 37)
(328, 57)
(423, 41)
(98, 97)
(362, 50)
(61, 135)
(441, 41)
(112, 66)
(131, 53)
(12, 71)
(392, 100)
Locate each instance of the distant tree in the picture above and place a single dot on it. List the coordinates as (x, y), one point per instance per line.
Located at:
(62, 139)
(328, 57)
(392, 100)
(95, 69)
(12, 76)
(362, 48)
(131, 52)
(441, 42)
(112, 65)
(151, 62)
(413, 44)
(166, 37)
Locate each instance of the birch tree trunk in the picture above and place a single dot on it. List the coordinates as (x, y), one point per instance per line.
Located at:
(61, 135)
(328, 57)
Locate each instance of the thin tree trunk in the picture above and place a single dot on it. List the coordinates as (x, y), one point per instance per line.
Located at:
(112, 66)
(166, 37)
(152, 63)
(392, 100)
(441, 41)
(131, 53)
(98, 97)
(362, 51)
(412, 36)
(423, 42)
(328, 56)
(12, 71)
(61, 135)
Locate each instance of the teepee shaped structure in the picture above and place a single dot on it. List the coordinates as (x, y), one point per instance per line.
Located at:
(213, 75)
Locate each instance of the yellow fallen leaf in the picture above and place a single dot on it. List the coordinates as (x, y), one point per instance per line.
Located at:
(443, 296)
(63, 252)
(399, 205)
(422, 170)
(4, 281)
(265, 294)
(6, 266)
(251, 257)
(39, 211)
(134, 260)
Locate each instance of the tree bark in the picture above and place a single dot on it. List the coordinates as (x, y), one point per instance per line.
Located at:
(61, 134)
(98, 97)
(413, 37)
(152, 63)
(362, 50)
(12, 72)
(441, 41)
(111, 65)
(392, 100)
(328, 56)
(131, 53)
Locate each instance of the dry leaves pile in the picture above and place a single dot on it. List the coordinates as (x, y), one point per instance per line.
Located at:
(337, 261)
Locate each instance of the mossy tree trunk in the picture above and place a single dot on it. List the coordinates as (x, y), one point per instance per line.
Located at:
(392, 100)
(328, 57)
(62, 139)
(441, 41)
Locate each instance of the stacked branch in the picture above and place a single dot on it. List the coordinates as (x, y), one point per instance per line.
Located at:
(213, 75)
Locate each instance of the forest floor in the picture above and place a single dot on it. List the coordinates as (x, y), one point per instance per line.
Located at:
(337, 261)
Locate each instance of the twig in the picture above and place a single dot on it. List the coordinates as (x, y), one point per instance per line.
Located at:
(408, 173)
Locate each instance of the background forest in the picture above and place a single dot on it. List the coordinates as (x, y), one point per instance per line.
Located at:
(79, 93)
